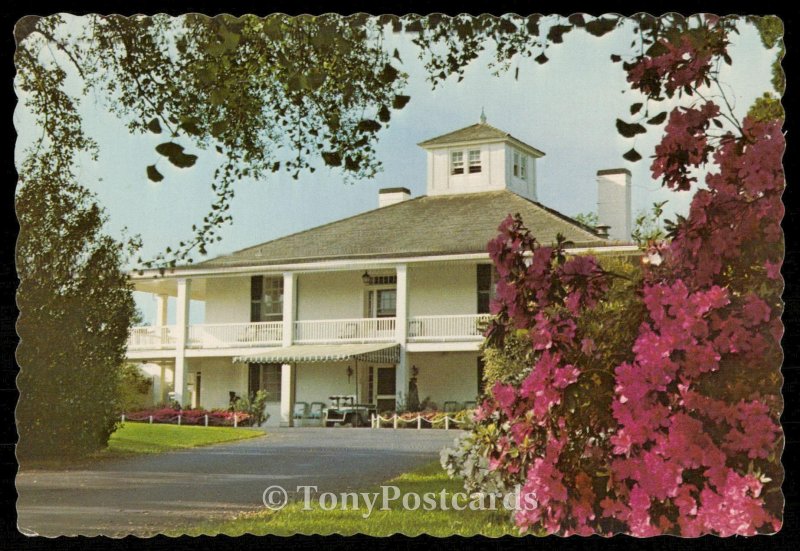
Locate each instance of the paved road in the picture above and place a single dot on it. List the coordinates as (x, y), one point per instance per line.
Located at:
(146, 494)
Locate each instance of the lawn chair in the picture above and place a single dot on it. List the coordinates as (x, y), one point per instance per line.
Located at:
(300, 410)
(315, 412)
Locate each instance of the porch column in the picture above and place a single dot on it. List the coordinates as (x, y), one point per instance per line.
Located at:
(161, 310)
(287, 394)
(289, 302)
(401, 336)
(181, 331)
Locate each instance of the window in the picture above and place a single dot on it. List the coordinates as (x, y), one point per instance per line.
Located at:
(474, 161)
(386, 304)
(265, 377)
(381, 303)
(266, 298)
(457, 162)
(384, 280)
(520, 165)
(487, 280)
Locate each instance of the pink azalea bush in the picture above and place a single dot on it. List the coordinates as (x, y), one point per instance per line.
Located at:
(691, 444)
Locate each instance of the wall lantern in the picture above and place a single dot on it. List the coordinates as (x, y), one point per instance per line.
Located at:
(366, 278)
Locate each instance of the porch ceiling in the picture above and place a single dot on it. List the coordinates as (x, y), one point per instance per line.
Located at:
(376, 352)
(169, 287)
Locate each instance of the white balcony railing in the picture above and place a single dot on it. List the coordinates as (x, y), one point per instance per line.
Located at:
(453, 328)
(234, 335)
(447, 328)
(152, 337)
(347, 330)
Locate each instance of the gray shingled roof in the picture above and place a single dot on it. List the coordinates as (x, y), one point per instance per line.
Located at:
(424, 226)
(475, 132)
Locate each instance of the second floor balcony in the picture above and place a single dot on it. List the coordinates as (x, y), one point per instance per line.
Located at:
(420, 329)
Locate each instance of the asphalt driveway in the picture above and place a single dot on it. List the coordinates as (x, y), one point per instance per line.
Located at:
(147, 494)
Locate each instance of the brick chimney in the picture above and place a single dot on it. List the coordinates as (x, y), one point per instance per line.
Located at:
(614, 202)
(391, 195)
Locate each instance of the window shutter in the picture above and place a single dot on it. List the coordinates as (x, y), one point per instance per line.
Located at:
(484, 286)
(256, 292)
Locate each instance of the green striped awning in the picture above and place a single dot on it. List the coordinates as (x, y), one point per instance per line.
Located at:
(376, 353)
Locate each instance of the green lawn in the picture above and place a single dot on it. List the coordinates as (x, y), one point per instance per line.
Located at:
(431, 478)
(147, 438)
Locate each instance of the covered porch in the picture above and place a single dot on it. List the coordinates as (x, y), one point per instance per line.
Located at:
(310, 374)
(377, 374)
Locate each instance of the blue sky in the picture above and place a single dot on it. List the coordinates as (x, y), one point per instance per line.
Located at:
(566, 108)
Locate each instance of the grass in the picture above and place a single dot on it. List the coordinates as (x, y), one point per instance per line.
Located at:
(143, 438)
(293, 519)
(136, 438)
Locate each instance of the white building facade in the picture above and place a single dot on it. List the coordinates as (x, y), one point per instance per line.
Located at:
(360, 306)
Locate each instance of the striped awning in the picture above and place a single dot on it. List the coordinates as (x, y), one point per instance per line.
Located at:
(376, 353)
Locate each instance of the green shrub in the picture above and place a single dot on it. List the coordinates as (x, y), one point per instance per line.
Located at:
(134, 389)
(254, 406)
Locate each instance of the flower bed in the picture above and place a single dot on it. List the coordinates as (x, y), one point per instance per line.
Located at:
(216, 417)
(430, 419)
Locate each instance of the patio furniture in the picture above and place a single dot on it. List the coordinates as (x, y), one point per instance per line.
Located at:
(451, 407)
(315, 411)
(471, 404)
(300, 410)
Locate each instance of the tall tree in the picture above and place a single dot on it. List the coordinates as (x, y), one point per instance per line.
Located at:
(266, 94)
(74, 298)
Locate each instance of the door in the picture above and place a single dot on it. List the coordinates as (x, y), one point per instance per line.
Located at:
(197, 387)
(267, 377)
(385, 388)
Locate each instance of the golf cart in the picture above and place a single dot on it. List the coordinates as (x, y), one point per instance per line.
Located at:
(344, 411)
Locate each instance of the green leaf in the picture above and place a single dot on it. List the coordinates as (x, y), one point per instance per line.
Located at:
(368, 125)
(316, 79)
(557, 32)
(218, 128)
(154, 174)
(629, 130)
(615, 58)
(400, 101)
(658, 119)
(632, 155)
(635, 108)
(532, 24)
(154, 126)
(384, 115)
(658, 48)
(174, 153)
(190, 127)
(577, 19)
(351, 164)
(183, 160)
(388, 74)
(601, 26)
(332, 158)
(541, 59)
(168, 149)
